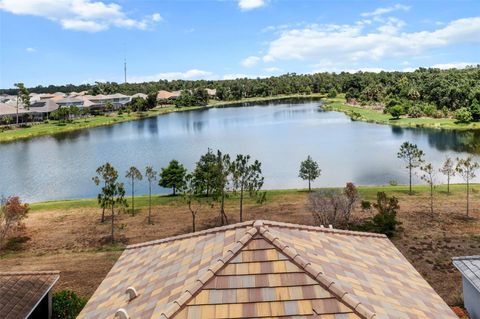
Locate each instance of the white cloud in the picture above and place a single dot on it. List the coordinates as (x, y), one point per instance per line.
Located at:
(454, 65)
(234, 76)
(30, 50)
(381, 11)
(80, 15)
(193, 74)
(157, 17)
(272, 69)
(352, 43)
(250, 61)
(251, 4)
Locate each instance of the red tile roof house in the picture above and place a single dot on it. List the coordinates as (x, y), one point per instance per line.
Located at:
(27, 294)
(264, 269)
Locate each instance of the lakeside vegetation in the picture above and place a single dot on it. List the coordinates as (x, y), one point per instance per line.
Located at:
(361, 113)
(56, 126)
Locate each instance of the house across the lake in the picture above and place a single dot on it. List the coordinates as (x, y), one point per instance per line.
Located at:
(469, 266)
(27, 295)
(265, 269)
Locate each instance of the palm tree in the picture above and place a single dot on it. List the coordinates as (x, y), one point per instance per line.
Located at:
(151, 176)
(134, 174)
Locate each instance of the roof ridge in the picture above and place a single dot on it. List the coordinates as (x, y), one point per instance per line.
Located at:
(321, 229)
(29, 273)
(190, 235)
(345, 297)
(190, 292)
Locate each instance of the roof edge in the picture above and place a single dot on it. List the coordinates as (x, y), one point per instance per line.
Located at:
(192, 291)
(30, 273)
(320, 229)
(257, 222)
(44, 294)
(460, 258)
(348, 299)
(190, 235)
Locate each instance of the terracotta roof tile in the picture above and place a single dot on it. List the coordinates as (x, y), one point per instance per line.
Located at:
(267, 269)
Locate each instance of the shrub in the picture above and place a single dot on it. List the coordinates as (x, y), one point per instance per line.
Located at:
(445, 111)
(475, 110)
(332, 93)
(66, 304)
(463, 115)
(414, 111)
(16, 243)
(396, 111)
(385, 221)
(428, 109)
(366, 205)
(355, 115)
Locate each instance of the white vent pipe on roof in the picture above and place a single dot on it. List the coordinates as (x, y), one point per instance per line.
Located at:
(131, 293)
(122, 314)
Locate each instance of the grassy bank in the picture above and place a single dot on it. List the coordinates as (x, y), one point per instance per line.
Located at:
(359, 113)
(55, 127)
(367, 192)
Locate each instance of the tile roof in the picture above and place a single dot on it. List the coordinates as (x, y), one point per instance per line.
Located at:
(162, 94)
(469, 266)
(20, 292)
(267, 269)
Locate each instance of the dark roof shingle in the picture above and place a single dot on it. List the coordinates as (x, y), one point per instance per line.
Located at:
(20, 292)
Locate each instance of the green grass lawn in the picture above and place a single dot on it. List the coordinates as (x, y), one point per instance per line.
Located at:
(366, 192)
(367, 115)
(53, 127)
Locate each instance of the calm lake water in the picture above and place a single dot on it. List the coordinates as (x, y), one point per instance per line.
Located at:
(279, 134)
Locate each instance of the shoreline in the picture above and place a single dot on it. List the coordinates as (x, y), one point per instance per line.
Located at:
(371, 116)
(336, 104)
(53, 127)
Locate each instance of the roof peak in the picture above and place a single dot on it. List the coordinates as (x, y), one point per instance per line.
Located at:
(259, 229)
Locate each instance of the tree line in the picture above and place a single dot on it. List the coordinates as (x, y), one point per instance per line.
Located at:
(423, 92)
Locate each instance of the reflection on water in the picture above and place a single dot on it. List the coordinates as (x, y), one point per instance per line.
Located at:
(279, 134)
(445, 140)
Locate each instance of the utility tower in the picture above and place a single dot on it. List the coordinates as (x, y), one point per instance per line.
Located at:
(125, 69)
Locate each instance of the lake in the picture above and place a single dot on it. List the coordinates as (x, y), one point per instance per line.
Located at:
(280, 134)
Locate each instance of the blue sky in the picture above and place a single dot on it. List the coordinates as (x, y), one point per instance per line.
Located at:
(46, 42)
